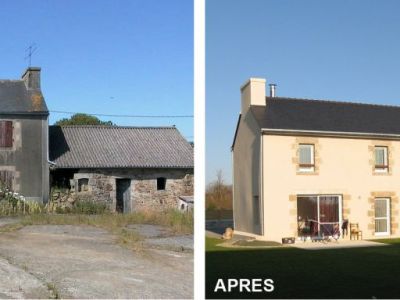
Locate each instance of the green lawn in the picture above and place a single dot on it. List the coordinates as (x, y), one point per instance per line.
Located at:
(337, 273)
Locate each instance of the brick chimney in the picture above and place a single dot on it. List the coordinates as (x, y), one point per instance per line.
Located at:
(253, 93)
(31, 77)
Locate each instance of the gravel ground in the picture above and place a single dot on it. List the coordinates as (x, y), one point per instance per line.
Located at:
(8, 221)
(161, 238)
(85, 262)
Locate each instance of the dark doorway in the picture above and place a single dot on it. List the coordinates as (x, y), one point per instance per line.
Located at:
(123, 195)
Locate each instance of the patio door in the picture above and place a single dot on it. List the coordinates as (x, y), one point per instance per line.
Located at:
(328, 213)
(382, 216)
(318, 215)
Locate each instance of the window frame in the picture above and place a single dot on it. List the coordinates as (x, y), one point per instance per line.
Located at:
(388, 229)
(382, 168)
(307, 168)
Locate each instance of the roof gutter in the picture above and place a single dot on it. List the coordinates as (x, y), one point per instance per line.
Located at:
(339, 134)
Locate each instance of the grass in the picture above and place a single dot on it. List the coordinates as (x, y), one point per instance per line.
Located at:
(176, 221)
(53, 290)
(334, 273)
(114, 223)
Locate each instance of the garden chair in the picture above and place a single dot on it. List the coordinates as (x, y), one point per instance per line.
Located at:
(345, 227)
(355, 231)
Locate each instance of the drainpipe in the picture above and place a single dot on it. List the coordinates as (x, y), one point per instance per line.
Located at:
(233, 190)
(261, 184)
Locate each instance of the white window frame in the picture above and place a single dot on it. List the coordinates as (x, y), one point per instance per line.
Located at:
(308, 169)
(382, 218)
(385, 158)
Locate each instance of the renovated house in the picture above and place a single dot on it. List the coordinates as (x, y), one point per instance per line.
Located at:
(24, 167)
(304, 167)
(127, 168)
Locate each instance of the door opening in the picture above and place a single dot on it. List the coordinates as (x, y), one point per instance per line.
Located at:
(123, 204)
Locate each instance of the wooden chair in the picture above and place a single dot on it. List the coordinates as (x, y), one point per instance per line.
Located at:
(355, 231)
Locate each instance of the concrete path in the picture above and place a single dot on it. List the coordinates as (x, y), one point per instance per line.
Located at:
(308, 245)
(85, 262)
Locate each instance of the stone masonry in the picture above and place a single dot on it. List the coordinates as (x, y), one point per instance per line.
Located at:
(144, 194)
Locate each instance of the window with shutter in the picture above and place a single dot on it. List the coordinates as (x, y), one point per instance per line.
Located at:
(6, 134)
(306, 158)
(6, 179)
(381, 159)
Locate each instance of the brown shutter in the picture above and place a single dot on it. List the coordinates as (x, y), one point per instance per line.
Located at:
(6, 178)
(6, 134)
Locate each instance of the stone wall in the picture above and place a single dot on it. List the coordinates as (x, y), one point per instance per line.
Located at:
(143, 194)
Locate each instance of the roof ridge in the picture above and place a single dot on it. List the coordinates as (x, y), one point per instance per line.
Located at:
(333, 101)
(115, 126)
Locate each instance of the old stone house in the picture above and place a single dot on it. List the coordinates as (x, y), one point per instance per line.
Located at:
(128, 168)
(24, 166)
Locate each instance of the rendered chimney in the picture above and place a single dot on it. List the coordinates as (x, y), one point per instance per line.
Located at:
(31, 77)
(272, 89)
(253, 93)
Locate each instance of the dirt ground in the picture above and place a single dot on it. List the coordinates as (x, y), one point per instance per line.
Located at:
(68, 261)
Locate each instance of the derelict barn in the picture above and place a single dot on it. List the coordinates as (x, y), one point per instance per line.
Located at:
(128, 168)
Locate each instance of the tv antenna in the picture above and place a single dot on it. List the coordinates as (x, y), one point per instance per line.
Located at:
(29, 51)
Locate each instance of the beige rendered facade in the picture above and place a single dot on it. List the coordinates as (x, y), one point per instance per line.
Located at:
(269, 185)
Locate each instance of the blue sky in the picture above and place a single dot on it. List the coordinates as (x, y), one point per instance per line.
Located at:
(341, 50)
(113, 57)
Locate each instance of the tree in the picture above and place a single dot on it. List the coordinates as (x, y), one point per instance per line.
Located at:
(219, 194)
(83, 119)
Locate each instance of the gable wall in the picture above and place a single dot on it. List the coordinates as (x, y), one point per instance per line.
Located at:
(28, 156)
(246, 170)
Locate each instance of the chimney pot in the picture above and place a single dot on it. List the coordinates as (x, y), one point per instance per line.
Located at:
(272, 90)
(31, 77)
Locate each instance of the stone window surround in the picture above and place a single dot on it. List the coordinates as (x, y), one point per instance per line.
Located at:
(15, 182)
(296, 159)
(394, 211)
(390, 157)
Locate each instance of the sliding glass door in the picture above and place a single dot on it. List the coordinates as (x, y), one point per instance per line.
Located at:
(318, 215)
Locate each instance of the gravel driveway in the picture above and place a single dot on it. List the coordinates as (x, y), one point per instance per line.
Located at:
(85, 262)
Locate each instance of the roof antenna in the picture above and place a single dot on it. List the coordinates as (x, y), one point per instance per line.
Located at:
(29, 51)
(272, 89)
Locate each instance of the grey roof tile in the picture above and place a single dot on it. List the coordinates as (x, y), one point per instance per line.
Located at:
(119, 147)
(322, 115)
(15, 98)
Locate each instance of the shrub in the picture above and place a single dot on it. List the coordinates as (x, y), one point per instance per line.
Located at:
(88, 207)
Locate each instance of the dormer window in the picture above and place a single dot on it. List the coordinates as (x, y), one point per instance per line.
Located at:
(6, 134)
(306, 158)
(381, 159)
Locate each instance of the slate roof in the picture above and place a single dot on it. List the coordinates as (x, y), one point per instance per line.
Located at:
(15, 98)
(322, 115)
(119, 147)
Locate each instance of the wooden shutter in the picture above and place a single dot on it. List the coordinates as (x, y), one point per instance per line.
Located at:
(6, 134)
(6, 179)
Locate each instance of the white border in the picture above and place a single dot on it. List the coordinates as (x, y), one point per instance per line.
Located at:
(199, 149)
